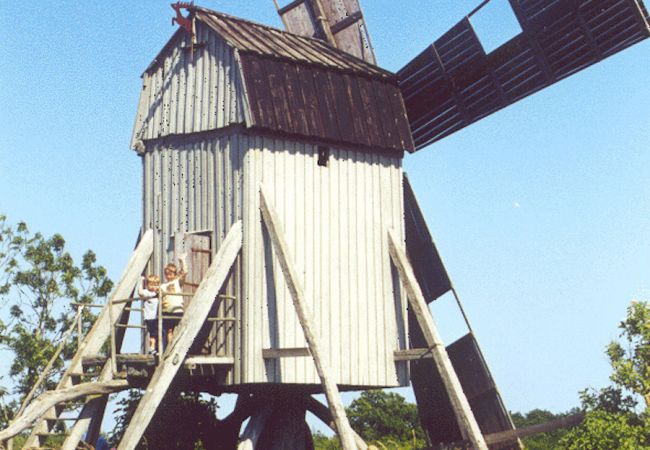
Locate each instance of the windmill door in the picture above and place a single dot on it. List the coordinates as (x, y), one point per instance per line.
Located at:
(217, 335)
(199, 257)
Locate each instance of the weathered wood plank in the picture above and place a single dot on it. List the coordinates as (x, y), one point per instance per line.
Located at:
(295, 352)
(412, 354)
(511, 435)
(189, 327)
(49, 399)
(298, 297)
(468, 425)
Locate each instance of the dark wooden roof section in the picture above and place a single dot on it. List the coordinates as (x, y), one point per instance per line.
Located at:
(299, 86)
(454, 83)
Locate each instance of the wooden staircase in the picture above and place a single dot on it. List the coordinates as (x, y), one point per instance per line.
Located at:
(91, 414)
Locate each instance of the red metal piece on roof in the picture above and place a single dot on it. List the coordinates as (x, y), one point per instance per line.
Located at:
(179, 19)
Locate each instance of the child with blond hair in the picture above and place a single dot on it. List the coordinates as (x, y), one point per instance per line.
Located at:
(172, 302)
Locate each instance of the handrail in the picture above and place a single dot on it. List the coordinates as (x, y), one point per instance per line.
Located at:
(50, 363)
(160, 317)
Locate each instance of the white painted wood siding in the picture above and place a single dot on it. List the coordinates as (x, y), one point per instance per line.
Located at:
(335, 220)
(187, 92)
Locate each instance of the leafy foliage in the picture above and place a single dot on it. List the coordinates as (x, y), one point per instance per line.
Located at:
(613, 419)
(386, 417)
(166, 430)
(602, 430)
(322, 442)
(39, 280)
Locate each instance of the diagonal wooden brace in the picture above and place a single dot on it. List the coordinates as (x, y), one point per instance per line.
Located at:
(466, 421)
(189, 327)
(345, 432)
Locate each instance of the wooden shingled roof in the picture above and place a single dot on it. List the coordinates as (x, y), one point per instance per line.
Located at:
(300, 86)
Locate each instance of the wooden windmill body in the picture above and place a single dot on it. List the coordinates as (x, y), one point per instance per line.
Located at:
(280, 116)
(274, 160)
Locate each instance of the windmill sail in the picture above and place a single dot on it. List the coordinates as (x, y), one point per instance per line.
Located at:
(454, 83)
(434, 406)
(344, 23)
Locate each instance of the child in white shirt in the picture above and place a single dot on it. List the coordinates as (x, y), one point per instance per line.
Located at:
(149, 291)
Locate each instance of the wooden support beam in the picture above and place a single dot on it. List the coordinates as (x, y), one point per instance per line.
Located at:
(412, 354)
(294, 285)
(187, 330)
(254, 429)
(49, 399)
(275, 353)
(466, 421)
(193, 361)
(91, 413)
(512, 435)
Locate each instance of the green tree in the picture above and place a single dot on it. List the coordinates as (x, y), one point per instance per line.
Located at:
(322, 442)
(39, 281)
(618, 416)
(169, 427)
(386, 417)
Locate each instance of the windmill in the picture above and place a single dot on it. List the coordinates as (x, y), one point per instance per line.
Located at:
(274, 160)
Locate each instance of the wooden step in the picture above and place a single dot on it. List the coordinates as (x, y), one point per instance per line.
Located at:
(76, 377)
(193, 361)
(51, 422)
(42, 437)
(93, 361)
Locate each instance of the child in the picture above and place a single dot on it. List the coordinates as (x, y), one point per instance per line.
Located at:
(173, 304)
(150, 308)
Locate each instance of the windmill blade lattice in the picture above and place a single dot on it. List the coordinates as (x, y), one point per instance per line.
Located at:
(454, 83)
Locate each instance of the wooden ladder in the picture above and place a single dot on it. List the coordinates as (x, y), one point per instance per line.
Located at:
(189, 327)
(93, 410)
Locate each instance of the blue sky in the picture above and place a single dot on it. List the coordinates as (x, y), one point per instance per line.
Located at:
(541, 211)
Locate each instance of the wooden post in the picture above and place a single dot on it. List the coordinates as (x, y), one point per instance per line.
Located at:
(93, 408)
(94, 340)
(254, 429)
(343, 428)
(113, 350)
(189, 327)
(466, 421)
(79, 325)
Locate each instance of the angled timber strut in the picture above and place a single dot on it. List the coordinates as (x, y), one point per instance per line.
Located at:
(462, 410)
(343, 429)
